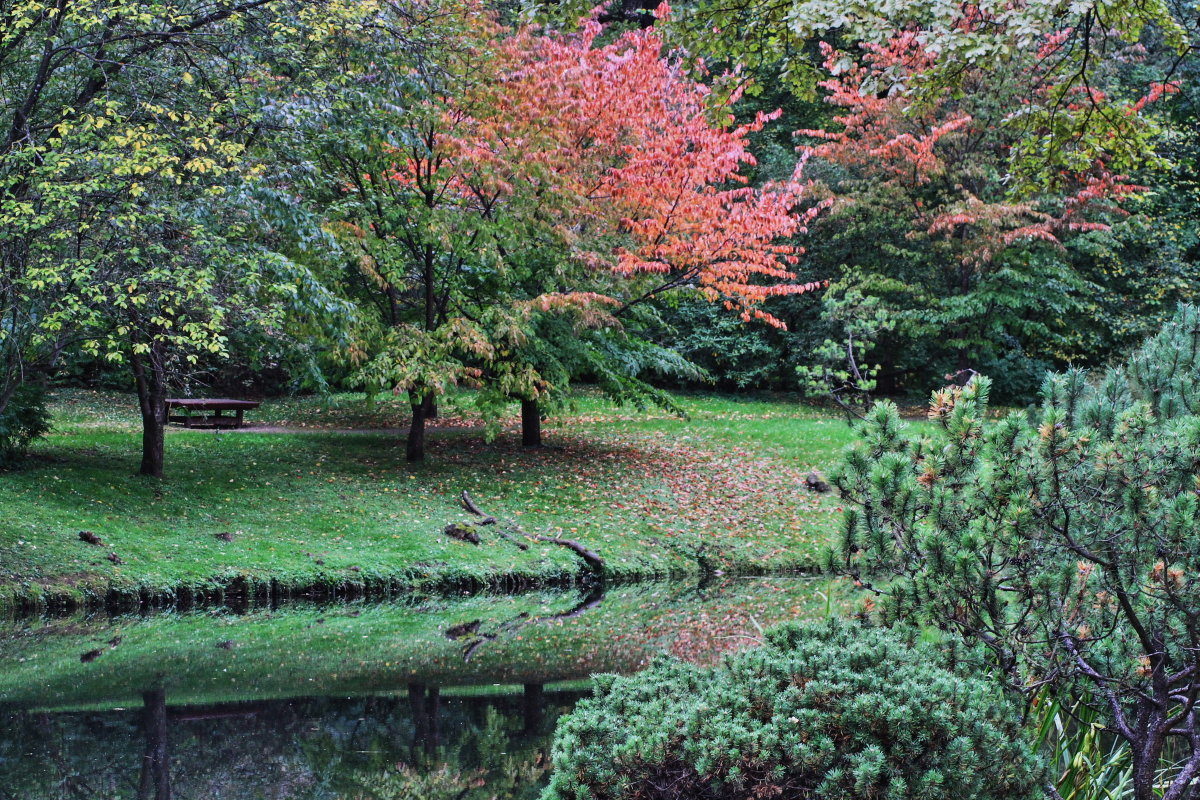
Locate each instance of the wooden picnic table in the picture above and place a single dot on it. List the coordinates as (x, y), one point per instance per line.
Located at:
(197, 409)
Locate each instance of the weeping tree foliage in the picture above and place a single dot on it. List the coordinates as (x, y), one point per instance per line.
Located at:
(1065, 540)
(550, 350)
(829, 710)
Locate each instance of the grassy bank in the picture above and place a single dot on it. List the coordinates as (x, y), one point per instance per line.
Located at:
(308, 650)
(321, 497)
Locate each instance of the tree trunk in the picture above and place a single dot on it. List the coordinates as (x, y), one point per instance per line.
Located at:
(531, 424)
(156, 774)
(415, 450)
(1144, 775)
(431, 410)
(152, 399)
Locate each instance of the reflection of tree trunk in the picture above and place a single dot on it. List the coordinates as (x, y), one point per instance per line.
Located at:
(432, 705)
(156, 776)
(148, 373)
(415, 450)
(533, 704)
(425, 706)
(416, 702)
(71, 783)
(531, 424)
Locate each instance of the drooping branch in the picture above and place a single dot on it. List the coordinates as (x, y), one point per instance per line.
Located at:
(593, 560)
(471, 508)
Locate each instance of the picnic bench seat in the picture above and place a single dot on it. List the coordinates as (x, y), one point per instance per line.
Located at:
(196, 411)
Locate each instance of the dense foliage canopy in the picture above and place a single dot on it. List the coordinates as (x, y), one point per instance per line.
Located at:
(404, 197)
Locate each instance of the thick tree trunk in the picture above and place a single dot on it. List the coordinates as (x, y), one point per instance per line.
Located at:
(533, 704)
(152, 399)
(415, 450)
(531, 424)
(155, 781)
(425, 703)
(153, 439)
(1144, 773)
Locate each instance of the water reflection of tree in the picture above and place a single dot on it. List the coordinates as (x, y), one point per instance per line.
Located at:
(41, 756)
(484, 754)
(314, 749)
(155, 782)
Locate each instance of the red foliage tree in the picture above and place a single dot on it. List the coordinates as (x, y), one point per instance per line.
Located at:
(559, 175)
(940, 164)
(639, 163)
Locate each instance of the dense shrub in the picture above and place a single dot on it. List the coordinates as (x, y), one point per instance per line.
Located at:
(822, 711)
(1065, 540)
(22, 420)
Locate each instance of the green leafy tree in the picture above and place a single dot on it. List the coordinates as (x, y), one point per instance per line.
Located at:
(826, 711)
(23, 420)
(1138, 272)
(1064, 540)
(839, 368)
(120, 123)
(556, 348)
(923, 224)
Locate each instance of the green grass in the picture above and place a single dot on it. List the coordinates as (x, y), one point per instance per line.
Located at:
(356, 648)
(325, 498)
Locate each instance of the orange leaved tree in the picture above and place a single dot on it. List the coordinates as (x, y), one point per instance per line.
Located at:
(544, 175)
(928, 218)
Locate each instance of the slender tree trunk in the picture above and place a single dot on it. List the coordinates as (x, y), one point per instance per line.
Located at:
(415, 450)
(155, 781)
(431, 409)
(531, 424)
(14, 368)
(6, 395)
(152, 399)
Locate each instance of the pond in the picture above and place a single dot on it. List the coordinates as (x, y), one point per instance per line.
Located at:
(429, 698)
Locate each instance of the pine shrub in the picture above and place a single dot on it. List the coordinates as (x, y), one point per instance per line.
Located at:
(832, 710)
(1065, 540)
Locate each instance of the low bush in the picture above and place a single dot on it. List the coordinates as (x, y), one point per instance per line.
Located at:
(22, 420)
(833, 710)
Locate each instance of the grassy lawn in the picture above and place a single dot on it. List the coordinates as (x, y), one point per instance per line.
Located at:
(322, 496)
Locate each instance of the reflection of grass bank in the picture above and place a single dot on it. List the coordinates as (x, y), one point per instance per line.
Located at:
(360, 648)
(653, 494)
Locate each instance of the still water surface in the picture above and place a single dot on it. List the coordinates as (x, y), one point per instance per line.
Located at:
(444, 698)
